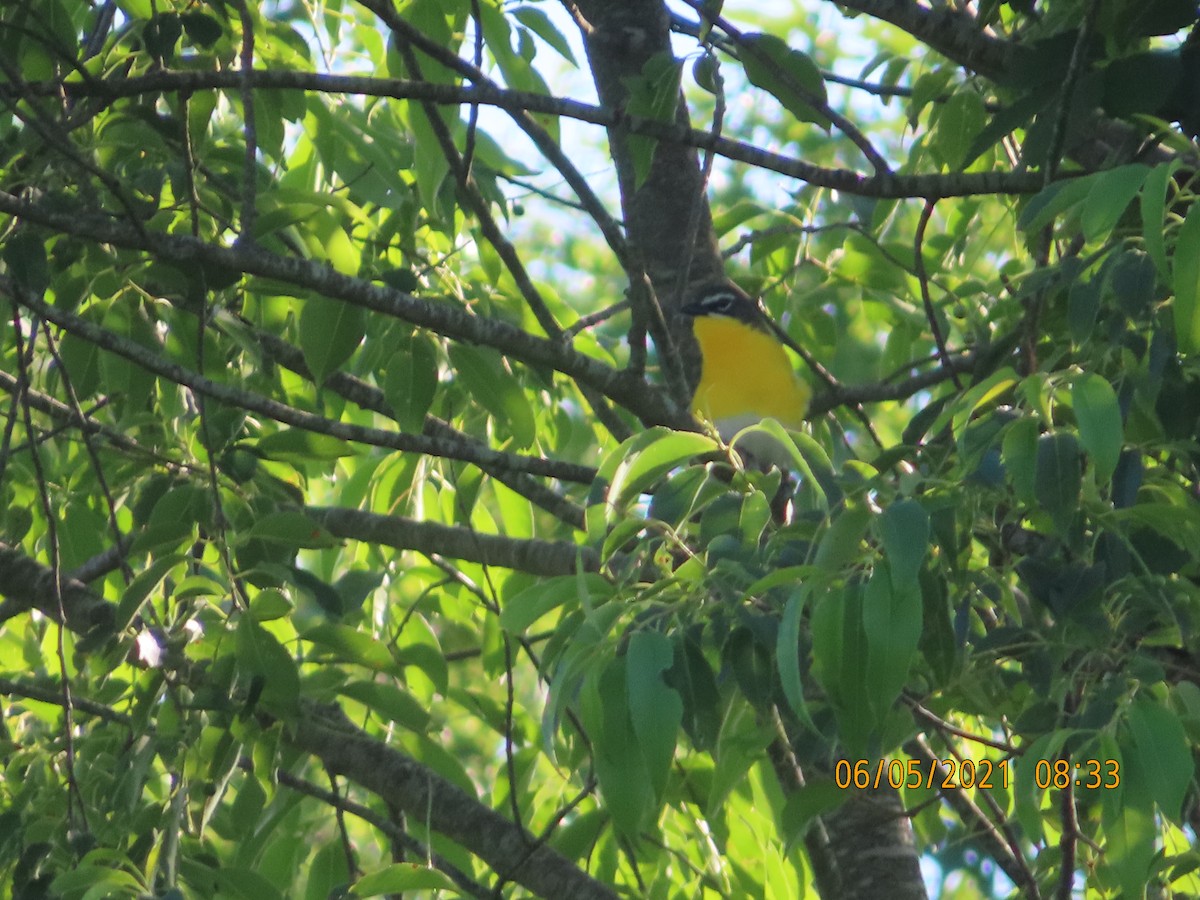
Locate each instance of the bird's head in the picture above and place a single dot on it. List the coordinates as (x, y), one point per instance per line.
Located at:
(724, 300)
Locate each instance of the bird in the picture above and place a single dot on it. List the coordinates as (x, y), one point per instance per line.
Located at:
(746, 374)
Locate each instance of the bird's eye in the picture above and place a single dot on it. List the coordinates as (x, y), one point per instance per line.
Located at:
(720, 303)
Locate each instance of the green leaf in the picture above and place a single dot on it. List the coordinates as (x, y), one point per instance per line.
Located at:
(411, 382)
(842, 543)
(1026, 793)
(816, 470)
(620, 766)
(653, 94)
(1058, 477)
(1083, 306)
(788, 75)
(390, 702)
(904, 527)
(269, 605)
(515, 67)
(978, 396)
(864, 262)
(1019, 453)
(244, 884)
(891, 620)
(25, 257)
(1142, 83)
(346, 644)
(625, 529)
(292, 529)
(938, 643)
(693, 679)
(959, 122)
(330, 332)
(175, 515)
(1153, 17)
(677, 498)
(1186, 282)
(1005, 121)
(429, 162)
(139, 589)
(817, 797)
(655, 709)
(1099, 419)
(839, 660)
(787, 653)
(202, 29)
(161, 33)
(486, 379)
(1154, 214)
(260, 654)
(539, 23)
(81, 359)
(104, 881)
(1130, 850)
(399, 877)
(1108, 199)
(529, 605)
(297, 446)
(650, 455)
(1160, 754)
(1052, 201)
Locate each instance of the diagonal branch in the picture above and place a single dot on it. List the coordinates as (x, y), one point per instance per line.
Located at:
(651, 406)
(298, 418)
(26, 584)
(366, 396)
(542, 558)
(447, 808)
(399, 780)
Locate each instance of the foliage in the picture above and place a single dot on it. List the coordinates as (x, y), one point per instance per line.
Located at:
(387, 559)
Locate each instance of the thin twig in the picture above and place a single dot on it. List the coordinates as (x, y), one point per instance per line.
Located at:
(468, 156)
(76, 806)
(1066, 104)
(110, 504)
(249, 125)
(923, 279)
(819, 104)
(303, 419)
(392, 830)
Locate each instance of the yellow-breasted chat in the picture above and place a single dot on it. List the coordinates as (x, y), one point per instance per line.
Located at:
(746, 374)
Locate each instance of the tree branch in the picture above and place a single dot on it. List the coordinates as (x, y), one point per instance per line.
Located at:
(362, 394)
(27, 584)
(930, 186)
(651, 406)
(446, 808)
(298, 418)
(399, 780)
(543, 558)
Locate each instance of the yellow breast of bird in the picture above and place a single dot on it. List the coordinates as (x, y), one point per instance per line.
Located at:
(746, 376)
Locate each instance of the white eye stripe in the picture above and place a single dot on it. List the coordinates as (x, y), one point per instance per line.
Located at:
(721, 302)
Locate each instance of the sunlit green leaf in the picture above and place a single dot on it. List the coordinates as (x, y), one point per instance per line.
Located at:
(402, 877)
(1108, 199)
(1186, 278)
(787, 74)
(330, 331)
(260, 655)
(655, 709)
(1099, 419)
(1160, 754)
